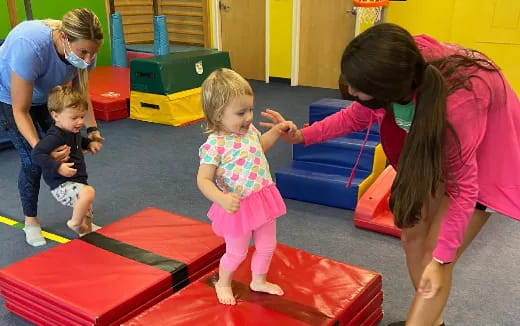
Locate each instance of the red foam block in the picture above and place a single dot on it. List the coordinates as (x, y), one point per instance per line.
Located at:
(372, 210)
(109, 89)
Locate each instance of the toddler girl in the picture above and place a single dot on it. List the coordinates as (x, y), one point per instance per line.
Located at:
(245, 200)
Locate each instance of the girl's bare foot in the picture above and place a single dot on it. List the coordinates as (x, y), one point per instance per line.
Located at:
(266, 287)
(80, 229)
(225, 294)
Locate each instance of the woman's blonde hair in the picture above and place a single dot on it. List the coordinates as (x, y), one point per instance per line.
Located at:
(221, 87)
(63, 97)
(79, 24)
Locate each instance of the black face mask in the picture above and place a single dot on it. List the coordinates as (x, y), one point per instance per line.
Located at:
(373, 104)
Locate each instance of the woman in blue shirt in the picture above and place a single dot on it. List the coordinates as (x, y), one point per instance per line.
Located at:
(36, 56)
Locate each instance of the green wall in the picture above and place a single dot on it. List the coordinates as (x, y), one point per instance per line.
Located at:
(55, 9)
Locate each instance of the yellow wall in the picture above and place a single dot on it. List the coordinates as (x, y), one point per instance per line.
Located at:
(446, 20)
(423, 17)
(280, 38)
(457, 22)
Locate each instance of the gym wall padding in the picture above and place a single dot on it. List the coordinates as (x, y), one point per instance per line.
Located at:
(43, 10)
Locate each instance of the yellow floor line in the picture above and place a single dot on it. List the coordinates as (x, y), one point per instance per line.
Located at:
(48, 235)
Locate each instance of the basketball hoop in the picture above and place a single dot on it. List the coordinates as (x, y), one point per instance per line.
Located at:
(368, 12)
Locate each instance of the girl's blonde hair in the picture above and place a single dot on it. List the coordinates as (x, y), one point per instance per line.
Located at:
(63, 97)
(221, 87)
(79, 24)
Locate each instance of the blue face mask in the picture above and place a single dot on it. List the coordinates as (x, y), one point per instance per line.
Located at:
(74, 60)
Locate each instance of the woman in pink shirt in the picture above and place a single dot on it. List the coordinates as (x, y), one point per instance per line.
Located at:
(450, 125)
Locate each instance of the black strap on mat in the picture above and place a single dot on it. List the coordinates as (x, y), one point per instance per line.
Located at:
(177, 269)
(298, 311)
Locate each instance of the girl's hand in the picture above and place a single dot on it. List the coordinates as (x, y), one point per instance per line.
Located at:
(95, 136)
(61, 153)
(230, 202)
(272, 115)
(67, 170)
(431, 280)
(289, 132)
(94, 147)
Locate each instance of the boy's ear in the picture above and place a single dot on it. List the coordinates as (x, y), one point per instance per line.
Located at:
(54, 115)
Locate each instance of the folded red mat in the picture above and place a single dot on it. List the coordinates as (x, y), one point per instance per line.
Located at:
(317, 291)
(114, 273)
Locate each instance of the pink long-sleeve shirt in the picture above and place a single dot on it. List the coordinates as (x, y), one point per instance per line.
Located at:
(487, 170)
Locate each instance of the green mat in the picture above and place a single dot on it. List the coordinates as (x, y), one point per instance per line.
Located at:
(175, 72)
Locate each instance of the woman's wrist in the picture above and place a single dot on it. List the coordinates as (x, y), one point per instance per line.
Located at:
(92, 129)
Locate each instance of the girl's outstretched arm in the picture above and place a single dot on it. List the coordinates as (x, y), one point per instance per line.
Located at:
(292, 137)
(205, 177)
(281, 129)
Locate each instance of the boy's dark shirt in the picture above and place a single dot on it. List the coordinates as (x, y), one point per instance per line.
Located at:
(56, 137)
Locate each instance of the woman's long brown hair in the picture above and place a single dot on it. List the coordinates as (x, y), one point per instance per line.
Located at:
(385, 62)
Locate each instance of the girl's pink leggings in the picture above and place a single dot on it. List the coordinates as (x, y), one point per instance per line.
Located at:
(236, 249)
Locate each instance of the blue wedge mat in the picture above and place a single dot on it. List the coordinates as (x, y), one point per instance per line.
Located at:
(117, 44)
(319, 183)
(160, 36)
(148, 48)
(326, 106)
(320, 172)
(342, 152)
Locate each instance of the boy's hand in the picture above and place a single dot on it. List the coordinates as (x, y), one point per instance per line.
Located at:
(67, 170)
(230, 202)
(94, 147)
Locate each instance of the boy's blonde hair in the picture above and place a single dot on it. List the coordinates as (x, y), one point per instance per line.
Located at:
(63, 97)
(220, 88)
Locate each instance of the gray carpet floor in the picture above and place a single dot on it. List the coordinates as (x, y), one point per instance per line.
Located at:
(145, 164)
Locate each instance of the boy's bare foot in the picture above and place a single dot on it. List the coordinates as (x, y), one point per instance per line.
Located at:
(80, 229)
(87, 226)
(266, 287)
(225, 294)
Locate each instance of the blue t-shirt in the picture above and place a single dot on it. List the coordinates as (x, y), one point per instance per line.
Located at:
(29, 51)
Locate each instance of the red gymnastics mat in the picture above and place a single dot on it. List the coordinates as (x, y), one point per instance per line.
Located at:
(373, 211)
(109, 89)
(318, 291)
(109, 276)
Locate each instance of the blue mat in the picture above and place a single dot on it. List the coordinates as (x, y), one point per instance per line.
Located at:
(319, 183)
(326, 106)
(148, 48)
(342, 152)
(319, 173)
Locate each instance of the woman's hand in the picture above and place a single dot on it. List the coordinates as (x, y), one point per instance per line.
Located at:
(432, 280)
(94, 147)
(288, 130)
(61, 154)
(95, 136)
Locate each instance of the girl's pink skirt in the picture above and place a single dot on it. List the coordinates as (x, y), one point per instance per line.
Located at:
(255, 210)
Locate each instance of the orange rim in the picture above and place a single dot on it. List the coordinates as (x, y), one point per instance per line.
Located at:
(370, 4)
